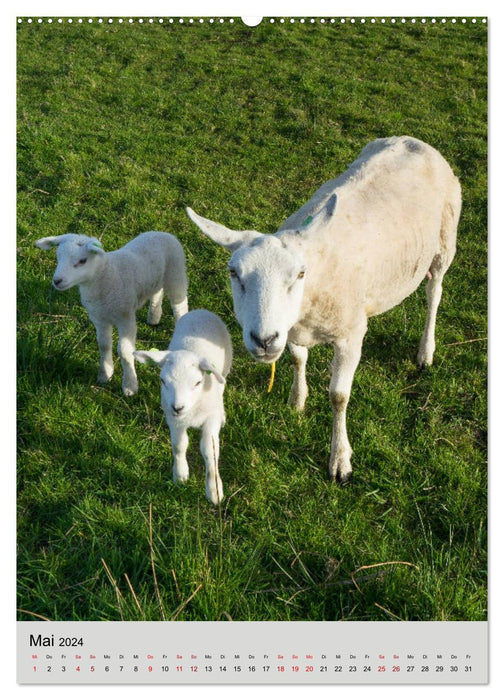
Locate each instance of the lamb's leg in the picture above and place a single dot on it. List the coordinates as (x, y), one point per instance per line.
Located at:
(125, 348)
(180, 442)
(104, 337)
(346, 358)
(299, 388)
(179, 308)
(209, 446)
(433, 291)
(155, 308)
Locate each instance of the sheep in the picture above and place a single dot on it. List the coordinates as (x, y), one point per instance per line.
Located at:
(193, 376)
(114, 285)
(358, 247)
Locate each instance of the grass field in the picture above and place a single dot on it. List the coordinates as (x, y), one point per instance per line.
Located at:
(120, 127)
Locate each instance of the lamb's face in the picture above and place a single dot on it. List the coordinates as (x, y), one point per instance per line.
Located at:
(182, 383)
(77, 258)
(267, 281)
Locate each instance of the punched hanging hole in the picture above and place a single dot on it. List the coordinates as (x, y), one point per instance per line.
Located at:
(251, 21)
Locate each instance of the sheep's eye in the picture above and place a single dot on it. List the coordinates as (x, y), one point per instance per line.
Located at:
(197, 384)
(301, 274)
(234, 275)
(82, 261)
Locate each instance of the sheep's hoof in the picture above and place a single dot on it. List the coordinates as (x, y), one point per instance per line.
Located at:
(341, 473)
(344, 479)
(297, 402)
(422, 366)
(215, 495)
(341, 479)
(130, 386)
(215, 500)
(424, 360)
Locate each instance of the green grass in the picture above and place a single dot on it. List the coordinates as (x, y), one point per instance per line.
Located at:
(120, 128)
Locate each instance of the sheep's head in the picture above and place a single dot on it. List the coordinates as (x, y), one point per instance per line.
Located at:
(267, 280)
(77, 257)
(184, 378)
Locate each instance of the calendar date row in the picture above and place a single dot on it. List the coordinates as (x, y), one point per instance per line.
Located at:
(260, 669)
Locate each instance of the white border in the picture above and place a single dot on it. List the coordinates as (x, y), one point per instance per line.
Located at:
(257, 8)
(223, 8)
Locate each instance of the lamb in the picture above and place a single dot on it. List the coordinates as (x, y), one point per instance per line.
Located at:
(114, 285)
(358, 247)
(193, 376)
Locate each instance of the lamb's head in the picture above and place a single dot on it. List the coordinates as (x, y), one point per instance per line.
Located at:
(267, 280)
(185, 377)
(77, 258)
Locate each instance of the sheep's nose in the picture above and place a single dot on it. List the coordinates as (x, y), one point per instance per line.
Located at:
(177, 410)
(263, 343)
(57, 281)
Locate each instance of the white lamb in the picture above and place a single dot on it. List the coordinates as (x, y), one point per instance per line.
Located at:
(193, 376)
(358, 247)
(114, 285)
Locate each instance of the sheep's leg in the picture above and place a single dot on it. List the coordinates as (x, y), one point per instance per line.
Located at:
(209, 447)
(104, 337)
(155, 308)
(180, 442)
(346, 358)
(441, 262)
(179, 308)
(299, 388)
(433, 290)
(125, 348)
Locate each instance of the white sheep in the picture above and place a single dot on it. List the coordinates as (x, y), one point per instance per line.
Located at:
(193, 376)
(358, 247)
(114, 285)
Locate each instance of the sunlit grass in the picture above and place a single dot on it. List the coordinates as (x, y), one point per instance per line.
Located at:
(120, 128)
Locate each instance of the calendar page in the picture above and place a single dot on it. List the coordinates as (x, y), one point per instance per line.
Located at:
(252, 349)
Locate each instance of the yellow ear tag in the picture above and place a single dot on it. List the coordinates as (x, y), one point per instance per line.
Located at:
(272, 377)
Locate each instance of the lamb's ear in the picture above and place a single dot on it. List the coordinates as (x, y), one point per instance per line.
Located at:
(205, 366)
(232, 240)
(94, 246)
(49, 242)
(151, 357)
(322, 216)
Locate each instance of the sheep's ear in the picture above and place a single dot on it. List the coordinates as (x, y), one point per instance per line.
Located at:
(151, 357)
(232, 240)
(94, 246)
(206, 367)
(322, 216)
(49, 242)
